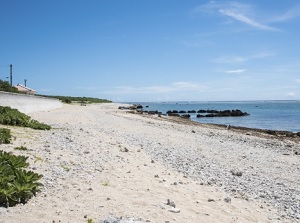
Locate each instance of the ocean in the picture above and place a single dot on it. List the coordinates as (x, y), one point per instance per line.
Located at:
(272, 115)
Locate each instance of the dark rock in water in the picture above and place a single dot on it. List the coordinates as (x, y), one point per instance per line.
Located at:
(201, 111)
(172, 111)
(138, 106)
(182, 111)
(212, 111)
(185, 116)
(298, 134)
(225, 113)
(173, 114)
(191, 111)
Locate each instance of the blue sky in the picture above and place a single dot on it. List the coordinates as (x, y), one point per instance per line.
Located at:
(154, 50)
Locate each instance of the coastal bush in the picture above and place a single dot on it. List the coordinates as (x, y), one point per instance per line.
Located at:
(5, 136)
(17, 185)
(11, 116)
(5, 86)
(69, 99)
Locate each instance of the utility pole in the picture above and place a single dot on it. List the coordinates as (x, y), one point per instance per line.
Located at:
(11, 75)
(25, 80)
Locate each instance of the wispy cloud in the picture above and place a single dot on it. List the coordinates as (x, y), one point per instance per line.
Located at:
(241, 59)
(230, 59)
(243, 13)
(235, 71)
(289, 15)
(173, 87)
(239, 16)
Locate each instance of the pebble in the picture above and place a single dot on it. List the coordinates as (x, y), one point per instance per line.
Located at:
(174, 210)
(227, 199)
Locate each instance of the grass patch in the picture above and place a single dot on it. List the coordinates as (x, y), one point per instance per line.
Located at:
(21, 148)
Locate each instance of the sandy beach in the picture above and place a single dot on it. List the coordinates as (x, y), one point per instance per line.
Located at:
(103, 163)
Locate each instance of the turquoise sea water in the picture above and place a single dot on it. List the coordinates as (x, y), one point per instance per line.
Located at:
(273, 115)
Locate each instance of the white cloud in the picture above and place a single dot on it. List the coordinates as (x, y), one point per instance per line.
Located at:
(241, 59)
(298, 80)
(230, 59)
(290, 14)
(243, 18)
(235, 71)
(241, 12)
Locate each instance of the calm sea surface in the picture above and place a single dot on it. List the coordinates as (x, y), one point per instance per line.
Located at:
(274, 115)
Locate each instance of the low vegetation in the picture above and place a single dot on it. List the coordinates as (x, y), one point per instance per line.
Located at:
(21, 148)
(17, 185)
(5, 136)
(70, 99)
(10, 116)
(5, 86)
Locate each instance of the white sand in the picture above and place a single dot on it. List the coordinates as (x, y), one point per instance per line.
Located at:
(88, 173)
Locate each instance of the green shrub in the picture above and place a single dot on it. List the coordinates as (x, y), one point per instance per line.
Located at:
(66, 100)
(5, 136)
(17, 185)
(5, 86)
(11, 116)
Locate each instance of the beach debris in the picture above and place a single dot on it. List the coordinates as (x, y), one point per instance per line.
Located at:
(236, 173)
(171, 203)
(211, 200)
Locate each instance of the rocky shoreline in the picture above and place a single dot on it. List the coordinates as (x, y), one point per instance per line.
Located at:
(185, 115)
(100, 161)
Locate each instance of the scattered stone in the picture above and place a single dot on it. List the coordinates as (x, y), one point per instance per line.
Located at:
(236, 173)
(125, 150)
(174, 210)
(211, 200)
(227, 199)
